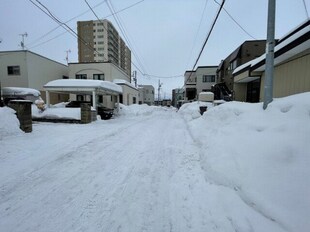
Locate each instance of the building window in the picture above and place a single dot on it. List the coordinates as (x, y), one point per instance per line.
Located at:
(79, 97)
(100, 36)
(65, 77)
(208, 78)
(233, 65)
(134, 100)
(13, 70)
(80, 76)
(98, 77)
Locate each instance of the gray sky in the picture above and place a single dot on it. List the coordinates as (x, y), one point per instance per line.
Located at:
(165, 34)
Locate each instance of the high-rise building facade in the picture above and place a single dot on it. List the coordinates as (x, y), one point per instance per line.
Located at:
(99, 41)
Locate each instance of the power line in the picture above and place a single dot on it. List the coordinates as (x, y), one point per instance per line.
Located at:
(113, 14)
(123, 31)
(49, 32)
(64, 25)
(85, 12)
(196, 36)
(44, 42)
(235, 21)
(149, 75)
(305, 6)
(206, 40)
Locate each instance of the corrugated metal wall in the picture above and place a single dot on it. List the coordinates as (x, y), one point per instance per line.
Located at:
(290, 78)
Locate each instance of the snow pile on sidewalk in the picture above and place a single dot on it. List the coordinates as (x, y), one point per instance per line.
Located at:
(192, 110)
(9, 124)
(263, 155)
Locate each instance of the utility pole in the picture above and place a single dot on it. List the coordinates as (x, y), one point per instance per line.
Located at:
(269, 69)
(67, 56)
(22, 43)
(159, 87)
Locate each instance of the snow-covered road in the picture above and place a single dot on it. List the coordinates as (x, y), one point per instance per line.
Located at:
(132, 176)
(135, 174)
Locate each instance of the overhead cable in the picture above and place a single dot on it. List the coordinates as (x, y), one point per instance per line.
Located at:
(196, 36)
(75, 17)
(235, 21)
(123, 31)
(205, 42)
(64, 25)
(305, 6)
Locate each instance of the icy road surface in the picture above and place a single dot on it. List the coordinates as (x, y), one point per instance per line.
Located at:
(127, 174)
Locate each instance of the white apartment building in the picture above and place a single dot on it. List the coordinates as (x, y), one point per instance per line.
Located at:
(100, 42)
(200, 80)
(146, 94)
(30, 70)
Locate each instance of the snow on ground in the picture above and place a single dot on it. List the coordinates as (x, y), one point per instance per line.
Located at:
(56, 112)
(235, 168)
(264, 156)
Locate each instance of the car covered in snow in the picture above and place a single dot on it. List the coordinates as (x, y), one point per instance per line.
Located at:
(18, 93)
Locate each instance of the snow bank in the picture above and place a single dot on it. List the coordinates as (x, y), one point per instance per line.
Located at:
(139, 110)
(9, 124)
(191, 110)
(57, 112)
(262, 155)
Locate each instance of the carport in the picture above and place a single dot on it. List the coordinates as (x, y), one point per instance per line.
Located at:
(83, 87)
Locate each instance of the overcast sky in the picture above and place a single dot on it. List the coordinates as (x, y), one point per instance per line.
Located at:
(166, 35)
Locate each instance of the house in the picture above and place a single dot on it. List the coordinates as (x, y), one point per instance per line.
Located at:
(146, 94)
(177, 97)
(200, 80)
(190, 81)
(104, 71)
(245, 52)
(130, 92)
(30, 70)
(291, 68)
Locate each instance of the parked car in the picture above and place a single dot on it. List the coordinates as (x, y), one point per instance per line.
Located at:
(76, 104)
(18, 93)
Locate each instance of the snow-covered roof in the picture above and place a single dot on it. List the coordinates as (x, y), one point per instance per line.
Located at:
(83, 84)
(283, 56)
(124, 82)
(18, 91)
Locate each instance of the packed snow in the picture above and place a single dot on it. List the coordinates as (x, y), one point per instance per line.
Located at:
(236, 167)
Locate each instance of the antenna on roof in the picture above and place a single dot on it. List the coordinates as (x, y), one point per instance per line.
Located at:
(67, 56)
(22, 43)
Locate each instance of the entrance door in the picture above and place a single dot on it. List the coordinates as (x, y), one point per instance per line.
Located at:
(253, 89)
